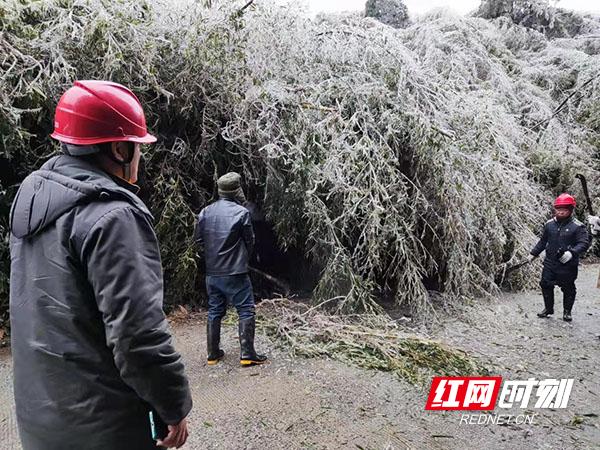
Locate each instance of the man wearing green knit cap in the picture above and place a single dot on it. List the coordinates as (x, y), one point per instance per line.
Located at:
(229, 186)
(225, 232)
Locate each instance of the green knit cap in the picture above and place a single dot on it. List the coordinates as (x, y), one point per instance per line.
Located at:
(229, 182)
(230, 186)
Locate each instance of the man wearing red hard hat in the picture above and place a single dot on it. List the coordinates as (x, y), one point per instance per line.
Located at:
(564, 239)
(91, 348)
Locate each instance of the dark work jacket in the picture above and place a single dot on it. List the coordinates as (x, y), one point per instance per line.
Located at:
(225, 231)
(558, 237)
(91, 347)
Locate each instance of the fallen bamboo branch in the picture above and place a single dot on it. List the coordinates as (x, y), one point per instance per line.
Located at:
(276, 281)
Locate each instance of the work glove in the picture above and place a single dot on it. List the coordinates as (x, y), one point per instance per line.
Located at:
(594, 222)
(566, 257)
(530, 258)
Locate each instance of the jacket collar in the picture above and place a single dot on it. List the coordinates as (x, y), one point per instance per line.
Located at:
(82, 170)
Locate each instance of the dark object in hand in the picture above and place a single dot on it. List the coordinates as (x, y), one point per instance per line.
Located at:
(158, 427)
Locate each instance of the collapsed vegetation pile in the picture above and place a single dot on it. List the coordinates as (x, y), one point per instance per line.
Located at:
(368, 341)
(397, 161)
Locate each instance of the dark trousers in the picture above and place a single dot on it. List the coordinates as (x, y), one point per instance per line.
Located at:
(235, 290)
(564, 277)
(134, 435)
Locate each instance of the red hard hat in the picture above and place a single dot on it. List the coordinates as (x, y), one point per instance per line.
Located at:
(94, 112)
(564, 200)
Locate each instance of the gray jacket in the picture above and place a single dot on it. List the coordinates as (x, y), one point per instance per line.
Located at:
(91, 348)
(224, 229)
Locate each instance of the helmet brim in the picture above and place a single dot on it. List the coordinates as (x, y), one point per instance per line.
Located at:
(147, 139)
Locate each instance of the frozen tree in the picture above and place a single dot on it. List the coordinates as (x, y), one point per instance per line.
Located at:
(395, 161)
(390, 12)
(539, 15)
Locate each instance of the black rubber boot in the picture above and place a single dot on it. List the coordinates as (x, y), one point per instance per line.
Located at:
(248, 355)
(568, 301)
(213, 338)
(548, 294)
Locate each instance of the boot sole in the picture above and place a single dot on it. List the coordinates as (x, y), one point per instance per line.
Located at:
(250, 362)
(214, 362)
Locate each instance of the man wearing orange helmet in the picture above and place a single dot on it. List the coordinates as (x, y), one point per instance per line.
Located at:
(564, 239)
(91, 348)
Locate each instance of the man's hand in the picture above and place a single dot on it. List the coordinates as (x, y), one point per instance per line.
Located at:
(531, 257)
(594, 222)
(177, 436)
(566, 257)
